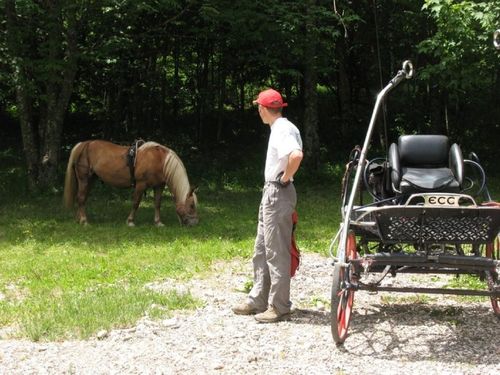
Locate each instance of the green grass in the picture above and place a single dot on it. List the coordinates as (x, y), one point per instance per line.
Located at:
(60, 280)
(472, 282)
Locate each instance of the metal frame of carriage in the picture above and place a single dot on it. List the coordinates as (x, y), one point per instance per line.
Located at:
(426, 232)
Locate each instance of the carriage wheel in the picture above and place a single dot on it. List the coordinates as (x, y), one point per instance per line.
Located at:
(342, 298)
(492, 251)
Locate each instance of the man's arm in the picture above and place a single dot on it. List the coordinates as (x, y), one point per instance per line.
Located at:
(294, 160)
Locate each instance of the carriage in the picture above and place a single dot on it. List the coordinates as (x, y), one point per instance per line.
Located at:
(428, 211)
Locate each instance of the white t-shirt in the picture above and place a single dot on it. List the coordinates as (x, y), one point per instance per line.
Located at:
(284, 138)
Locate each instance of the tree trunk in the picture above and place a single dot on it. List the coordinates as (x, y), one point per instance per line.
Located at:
(23, 77)
(311, 138)
(221, 94)
(58, 93)
(344, 93)
(202, 92)
(176, 83)
(436, 112)
(42, 148)
(28, 132)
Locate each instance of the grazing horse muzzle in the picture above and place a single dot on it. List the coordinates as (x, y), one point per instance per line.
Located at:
(189, 221)
(187, 217)
(187, 210)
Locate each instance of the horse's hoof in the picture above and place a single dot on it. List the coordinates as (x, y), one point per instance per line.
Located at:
(130, 223)
(159, 224)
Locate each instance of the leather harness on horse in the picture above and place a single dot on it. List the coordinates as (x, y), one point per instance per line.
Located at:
(131, 158)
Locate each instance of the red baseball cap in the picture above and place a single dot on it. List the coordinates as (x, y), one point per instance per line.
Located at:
(270, 98)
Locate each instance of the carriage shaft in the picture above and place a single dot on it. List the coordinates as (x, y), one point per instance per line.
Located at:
(465, 263)
(462, 292)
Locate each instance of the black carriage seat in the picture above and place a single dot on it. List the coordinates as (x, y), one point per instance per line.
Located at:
(426, 163)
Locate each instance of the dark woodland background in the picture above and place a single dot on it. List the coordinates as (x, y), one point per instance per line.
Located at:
(184, 73)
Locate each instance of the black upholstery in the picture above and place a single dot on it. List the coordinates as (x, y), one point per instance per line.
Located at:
(424, 151)
(421, 163)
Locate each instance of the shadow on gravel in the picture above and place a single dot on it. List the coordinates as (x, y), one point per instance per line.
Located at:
(418, 332)
(303, 316)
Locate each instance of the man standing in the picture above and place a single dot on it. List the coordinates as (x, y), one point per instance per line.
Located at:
(269, 298)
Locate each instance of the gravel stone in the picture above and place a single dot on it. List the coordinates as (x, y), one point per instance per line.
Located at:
(390, 333)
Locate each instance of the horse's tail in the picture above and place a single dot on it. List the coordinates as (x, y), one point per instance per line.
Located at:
(70, 182)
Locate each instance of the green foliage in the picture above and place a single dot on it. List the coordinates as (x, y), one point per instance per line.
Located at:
(461, 47)
(185, 71)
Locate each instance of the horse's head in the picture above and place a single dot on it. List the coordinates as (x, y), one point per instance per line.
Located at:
(186, 211)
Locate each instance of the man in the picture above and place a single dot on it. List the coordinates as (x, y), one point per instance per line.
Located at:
(269, 298)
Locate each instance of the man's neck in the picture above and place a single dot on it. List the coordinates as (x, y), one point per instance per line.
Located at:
(273, 120)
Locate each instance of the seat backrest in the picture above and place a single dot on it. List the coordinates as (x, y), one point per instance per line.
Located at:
(423, 151)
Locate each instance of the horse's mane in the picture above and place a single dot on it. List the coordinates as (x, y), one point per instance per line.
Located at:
(174, 172)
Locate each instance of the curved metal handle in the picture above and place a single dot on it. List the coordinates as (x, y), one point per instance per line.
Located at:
(408, 69)
(406, 72)
(496, 39)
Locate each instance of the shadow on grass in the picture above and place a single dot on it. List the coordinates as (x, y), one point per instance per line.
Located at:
(224, 215)
(44, 219)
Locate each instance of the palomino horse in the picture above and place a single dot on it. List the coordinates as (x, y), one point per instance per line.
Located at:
(154, 167)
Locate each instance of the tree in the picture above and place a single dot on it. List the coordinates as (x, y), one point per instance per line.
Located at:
(463, 68)
(186, 71)
(311, 139)
(41, 38)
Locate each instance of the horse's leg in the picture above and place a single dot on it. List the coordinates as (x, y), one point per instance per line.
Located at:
(81, 197)
(136, 200)
(158, 194)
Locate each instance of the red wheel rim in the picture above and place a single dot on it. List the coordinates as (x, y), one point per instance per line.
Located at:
(346, 296)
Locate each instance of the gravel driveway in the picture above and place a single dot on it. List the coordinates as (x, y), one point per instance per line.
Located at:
(389, 334)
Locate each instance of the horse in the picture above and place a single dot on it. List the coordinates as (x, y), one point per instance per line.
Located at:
(154, 166)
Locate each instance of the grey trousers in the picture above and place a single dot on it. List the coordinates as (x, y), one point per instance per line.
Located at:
(271, 259)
